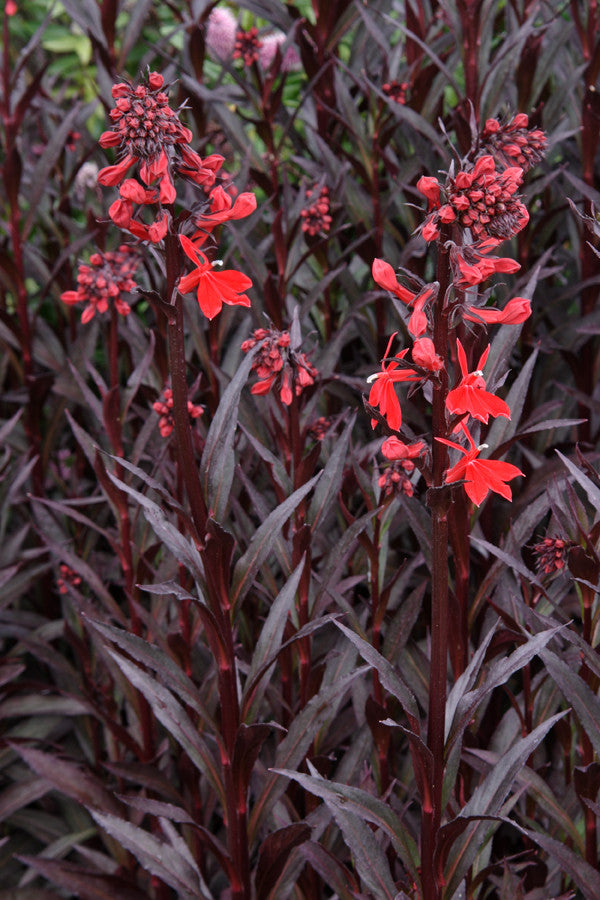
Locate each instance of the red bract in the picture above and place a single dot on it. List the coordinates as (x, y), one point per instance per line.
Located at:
(214, 288)
(279, 364)
(470, 395)
(382, 393)
(480, 475)
(105, 278)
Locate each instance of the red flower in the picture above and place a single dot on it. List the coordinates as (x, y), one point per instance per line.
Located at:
(382, 393)
(514, 142)
(214, 288)
(470, 394)
(424, 355)
(224, 209)
(480, 475)
(385, 277)
(515, 312)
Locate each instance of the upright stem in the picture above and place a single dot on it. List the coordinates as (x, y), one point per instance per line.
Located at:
(177, 364)
(439, 592)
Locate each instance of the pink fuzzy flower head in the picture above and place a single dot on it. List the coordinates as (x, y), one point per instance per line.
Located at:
(105, 279)
(221, 33)
(267, 52)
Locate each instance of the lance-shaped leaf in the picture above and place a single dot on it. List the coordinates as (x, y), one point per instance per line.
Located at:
(369, 859)
(68, 778)
(327, 489)
(174, 718)
(262, 541)
(218, 458)
(576, 692)
(273, 855)
(79, 881)
(269, 639)
(152, 656)
(486, 800)
(390, 679)
(155, 856)
(293, 748)
(365, 807)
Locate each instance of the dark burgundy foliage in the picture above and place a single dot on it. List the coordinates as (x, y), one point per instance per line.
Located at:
(300, 450)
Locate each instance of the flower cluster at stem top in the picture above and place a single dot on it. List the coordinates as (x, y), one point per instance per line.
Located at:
(468, 217)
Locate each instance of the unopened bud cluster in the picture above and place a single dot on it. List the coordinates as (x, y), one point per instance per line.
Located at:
(105, 278)
(315, 215)
(164, 408)
(278, 365)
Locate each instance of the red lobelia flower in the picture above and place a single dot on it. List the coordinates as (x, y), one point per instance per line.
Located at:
(470, 395)
(106, 278)
(385, 277)
(383, 394)
(480, 475)
(214, 288)
(515, 312)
